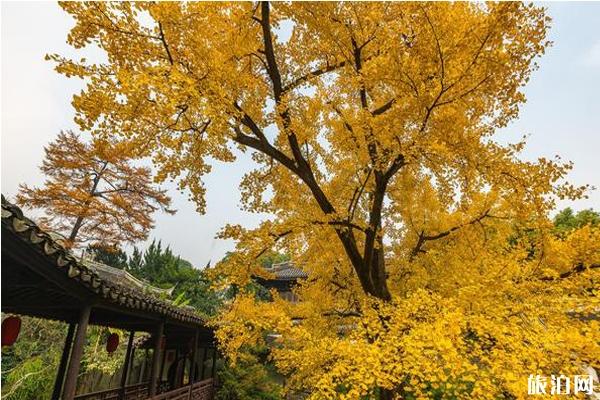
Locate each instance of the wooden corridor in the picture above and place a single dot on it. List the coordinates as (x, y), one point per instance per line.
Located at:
(43, 279)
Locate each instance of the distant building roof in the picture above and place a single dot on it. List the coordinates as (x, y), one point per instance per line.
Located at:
(123, 277)
(286, 271)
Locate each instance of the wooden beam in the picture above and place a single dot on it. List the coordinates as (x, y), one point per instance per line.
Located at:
(62, 366)
(76, 353)
(156, 358)
(126, 366)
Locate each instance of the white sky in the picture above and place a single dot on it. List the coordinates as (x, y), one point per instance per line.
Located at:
(562, 116)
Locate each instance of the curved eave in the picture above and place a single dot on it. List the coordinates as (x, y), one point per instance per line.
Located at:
(14, 222)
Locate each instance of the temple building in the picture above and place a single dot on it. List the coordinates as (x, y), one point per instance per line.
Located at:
(285, 277)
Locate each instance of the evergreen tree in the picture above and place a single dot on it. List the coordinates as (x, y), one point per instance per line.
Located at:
(113, 256)
(567, 219)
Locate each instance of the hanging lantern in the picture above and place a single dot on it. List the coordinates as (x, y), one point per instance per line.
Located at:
(163, 342)
(11, 326)
(112, 342)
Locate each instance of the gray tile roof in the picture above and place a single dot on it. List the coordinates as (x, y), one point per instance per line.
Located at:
(123, 277)
(98, 280)
(287, 271)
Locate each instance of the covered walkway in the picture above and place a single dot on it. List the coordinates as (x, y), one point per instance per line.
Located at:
(40, 278)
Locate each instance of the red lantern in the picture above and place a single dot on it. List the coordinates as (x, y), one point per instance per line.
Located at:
(11, 327)
(112, 342)
(163, 342)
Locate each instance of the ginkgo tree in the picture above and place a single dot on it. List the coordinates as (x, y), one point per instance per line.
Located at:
(94, 193)
(433, 271)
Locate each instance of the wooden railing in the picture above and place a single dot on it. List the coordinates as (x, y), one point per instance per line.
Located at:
(133, 392)
(202, 390)
(183, 393)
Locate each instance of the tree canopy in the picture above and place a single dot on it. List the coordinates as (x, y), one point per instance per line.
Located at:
(94, 193)
(374, 128)
(567, 219)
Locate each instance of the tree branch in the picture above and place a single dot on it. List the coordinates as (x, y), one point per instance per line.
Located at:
(313, 74)
(266, 148)
(277, 237)
(164, 42)
(273, 69)
(357, 195)
(427, 238)
(346, 224)
(579, 268)
(380, 110)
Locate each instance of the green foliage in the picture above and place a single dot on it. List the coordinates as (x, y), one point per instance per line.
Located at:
(251, 378)
(160, 267)
(96, 358)
(113, 256)
(567, 219)
(272, 257)
(32, 379)
(29, 366)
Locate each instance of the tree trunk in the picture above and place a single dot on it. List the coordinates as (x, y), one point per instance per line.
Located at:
(75, 230)
(386, 394)
(80, 218)
(372, 274)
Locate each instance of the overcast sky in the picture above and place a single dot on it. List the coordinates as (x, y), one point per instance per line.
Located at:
(562, 116)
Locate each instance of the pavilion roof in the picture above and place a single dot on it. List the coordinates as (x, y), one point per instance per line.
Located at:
(287, 271)
(117, 288)
(123, 277)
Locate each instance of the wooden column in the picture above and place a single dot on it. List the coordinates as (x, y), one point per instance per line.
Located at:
(131, 365)
(162, 363)
(126, 366)
(214, 362)
(62, 367)
(176, 363)
(143, 367)
(156, 358)
(76, 353)
(204, 351)
(194, 355)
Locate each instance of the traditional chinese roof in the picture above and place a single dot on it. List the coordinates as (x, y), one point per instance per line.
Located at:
(124, 278)
(286, 271)
(285, 276)
(113, 291)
